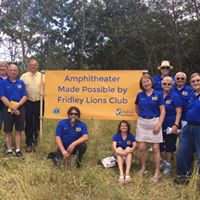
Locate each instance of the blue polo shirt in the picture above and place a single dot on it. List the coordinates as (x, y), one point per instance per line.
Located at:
(149, 105)
(193, 113)
(157, 79)
(69, 133)
(184, 94)
(172, 101)
(13, 91)
(1, 103)
(128, 142)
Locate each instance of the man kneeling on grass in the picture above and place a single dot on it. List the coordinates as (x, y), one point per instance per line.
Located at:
(71, 137)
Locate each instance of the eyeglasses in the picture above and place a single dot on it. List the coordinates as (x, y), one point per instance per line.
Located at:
(193, 81)
(166, 83)
(180, 78)
(72, 113)
(165, 68)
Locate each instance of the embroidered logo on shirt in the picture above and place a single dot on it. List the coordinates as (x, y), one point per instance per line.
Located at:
(19, 86)
(168, 101)
(184, 93)
(154, 98)
(78, 129)
(129, 142)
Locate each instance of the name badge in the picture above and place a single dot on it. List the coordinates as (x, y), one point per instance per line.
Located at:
(129, 142)
(154, 98)
(78, 129)
(184, 93)
(19, 86)
(168, 101)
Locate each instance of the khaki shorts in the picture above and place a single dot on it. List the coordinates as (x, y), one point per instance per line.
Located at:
(144, 131)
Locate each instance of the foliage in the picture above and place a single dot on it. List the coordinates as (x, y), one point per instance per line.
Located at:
(103, 34)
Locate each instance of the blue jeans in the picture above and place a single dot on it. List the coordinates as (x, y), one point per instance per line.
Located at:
(189, 143)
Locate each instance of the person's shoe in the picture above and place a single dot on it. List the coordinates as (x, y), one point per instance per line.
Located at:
(128, 178)
(29, 149)
(78, 162)
(167, 169)
(19, 154)
(155, 179)
(162, 164)
(57, 161)
(181, 180)
(121, 179)
(10, 154)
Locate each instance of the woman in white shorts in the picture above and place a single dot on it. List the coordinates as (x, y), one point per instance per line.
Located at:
(150, 108)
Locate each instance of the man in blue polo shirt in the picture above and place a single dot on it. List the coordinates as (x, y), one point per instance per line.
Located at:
(190, 137)
(184, 92)
(13, 95)
(71, 137)
(164, 70)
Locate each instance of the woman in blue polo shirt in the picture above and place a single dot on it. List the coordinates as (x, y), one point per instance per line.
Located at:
(172, 119)
(190, 137)
(150, 108)
(123, 145)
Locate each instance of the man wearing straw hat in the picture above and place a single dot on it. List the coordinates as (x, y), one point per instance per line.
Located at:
(33, 80)
(164, 70)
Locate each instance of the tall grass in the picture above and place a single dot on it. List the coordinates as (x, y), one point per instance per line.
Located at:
(35, 178)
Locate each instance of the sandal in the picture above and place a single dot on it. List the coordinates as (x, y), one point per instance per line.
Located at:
(121, 179)
(128, 178)
(155, 179)
(140, 173)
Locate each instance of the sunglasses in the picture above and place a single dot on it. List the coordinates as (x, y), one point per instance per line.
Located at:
(165, 68)
(193, 81)
(180, 78)
(167, 84)
(72, 113)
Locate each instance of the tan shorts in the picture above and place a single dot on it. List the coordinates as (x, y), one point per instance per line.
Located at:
(144, 131)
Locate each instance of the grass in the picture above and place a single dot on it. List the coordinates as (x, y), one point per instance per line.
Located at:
(35, 178)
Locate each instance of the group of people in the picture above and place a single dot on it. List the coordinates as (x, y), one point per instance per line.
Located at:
(165, 106)
(20, 105)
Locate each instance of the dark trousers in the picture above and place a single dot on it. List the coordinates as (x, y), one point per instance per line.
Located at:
(32, 122)
(189, 143)
(78, 151)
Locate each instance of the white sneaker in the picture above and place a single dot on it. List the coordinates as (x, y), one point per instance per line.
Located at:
(162, 164)
(167, 169)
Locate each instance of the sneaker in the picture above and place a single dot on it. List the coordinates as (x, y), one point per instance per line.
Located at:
(162, 164)
(78, 162)
(181, 180)
(167, 169)
(57, 161)
(19, 154)
(10, 154)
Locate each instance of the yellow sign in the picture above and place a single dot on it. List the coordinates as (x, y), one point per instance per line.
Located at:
(98, 94)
